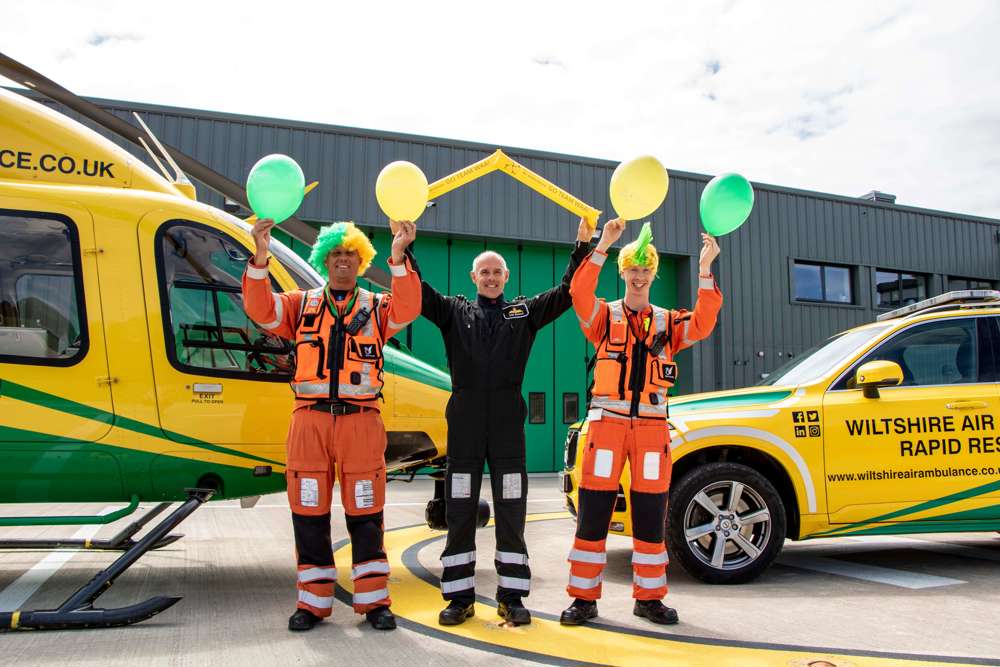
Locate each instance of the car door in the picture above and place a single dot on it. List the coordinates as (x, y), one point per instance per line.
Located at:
(221, 380)
(924, 452)
(55, 395)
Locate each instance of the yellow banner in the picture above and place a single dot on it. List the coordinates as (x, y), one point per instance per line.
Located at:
(502, 162)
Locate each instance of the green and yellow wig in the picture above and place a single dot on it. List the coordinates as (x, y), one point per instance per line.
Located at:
(341, 234)
(640, 252)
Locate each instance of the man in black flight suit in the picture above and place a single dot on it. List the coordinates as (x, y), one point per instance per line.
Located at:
(488, 342)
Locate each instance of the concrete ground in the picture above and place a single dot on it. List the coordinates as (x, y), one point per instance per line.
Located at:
(930, 599)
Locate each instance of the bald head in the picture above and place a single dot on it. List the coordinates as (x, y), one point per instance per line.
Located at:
(488, 254)
(489, 273)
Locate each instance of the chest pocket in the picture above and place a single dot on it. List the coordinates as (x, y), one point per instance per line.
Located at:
(663, 373)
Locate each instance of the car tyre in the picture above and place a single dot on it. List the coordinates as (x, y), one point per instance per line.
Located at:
(720, 539)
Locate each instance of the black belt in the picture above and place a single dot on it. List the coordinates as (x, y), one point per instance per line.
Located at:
(338, 409)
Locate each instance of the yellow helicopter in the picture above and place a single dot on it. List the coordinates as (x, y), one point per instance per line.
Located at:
(128, 369)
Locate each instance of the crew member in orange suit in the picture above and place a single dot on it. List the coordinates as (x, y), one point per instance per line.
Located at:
(339, 331)
(635, 343)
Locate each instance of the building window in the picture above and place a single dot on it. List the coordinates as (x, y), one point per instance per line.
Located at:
(955, 283)
(41, 294)
(536, 407)
(894, 289)
(824, 283)
(571, 407)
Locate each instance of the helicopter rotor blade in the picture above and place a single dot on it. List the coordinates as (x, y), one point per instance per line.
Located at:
(24, 75)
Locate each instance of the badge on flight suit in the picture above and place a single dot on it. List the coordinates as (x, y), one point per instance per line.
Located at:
(515, 311)
(668, 371)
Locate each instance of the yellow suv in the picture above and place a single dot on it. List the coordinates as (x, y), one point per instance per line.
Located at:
(886, 428)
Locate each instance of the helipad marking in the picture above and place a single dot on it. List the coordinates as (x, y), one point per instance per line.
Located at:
(21, 589)
(873, 573)
(416, 603)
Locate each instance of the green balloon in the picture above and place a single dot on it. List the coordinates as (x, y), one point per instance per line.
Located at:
(275, 187)
(725, 203)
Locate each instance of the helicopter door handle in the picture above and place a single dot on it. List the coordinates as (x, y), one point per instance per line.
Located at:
(966, 405)
(206, 388)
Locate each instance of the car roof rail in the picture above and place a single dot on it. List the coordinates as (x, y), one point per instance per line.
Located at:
(950, 300)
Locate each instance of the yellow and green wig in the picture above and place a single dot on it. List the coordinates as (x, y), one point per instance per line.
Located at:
(640, 252)
(341, 234)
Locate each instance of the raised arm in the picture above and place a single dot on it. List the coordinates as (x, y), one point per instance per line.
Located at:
(592, 312)
(690, 327)
(275, 313)
(550, 304)
(402, 305)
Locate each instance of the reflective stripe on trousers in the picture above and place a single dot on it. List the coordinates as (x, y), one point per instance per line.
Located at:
(514, 583)
(318, 574)
(315, 600)
(511, 558)
(372, 597)
(583, 583)
(468, 583)
(581, 556)
(459, 559)
(639, 558)
(376, 567)
(650, 583)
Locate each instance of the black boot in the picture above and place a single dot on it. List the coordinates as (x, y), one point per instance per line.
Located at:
(514, 612)
(655, 611)
(381, 618)
(579, 612)
(456, 612)
(302, 620)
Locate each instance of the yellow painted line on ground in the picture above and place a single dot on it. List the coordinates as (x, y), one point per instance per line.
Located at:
(417, 601)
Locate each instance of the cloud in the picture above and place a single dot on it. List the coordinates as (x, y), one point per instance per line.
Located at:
(548, 61)
(100, 38)
(844, 97)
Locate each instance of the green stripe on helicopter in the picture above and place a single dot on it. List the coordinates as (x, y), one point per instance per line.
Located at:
(66, 406)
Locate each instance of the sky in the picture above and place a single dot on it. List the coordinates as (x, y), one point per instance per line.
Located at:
(841, 97)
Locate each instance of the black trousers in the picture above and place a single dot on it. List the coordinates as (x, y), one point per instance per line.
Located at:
(486, 427)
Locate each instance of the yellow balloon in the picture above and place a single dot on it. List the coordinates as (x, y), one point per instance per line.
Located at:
(638, 187)
(401, 190)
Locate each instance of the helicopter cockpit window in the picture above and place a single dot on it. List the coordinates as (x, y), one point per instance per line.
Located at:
(207, 330)
(41, 319)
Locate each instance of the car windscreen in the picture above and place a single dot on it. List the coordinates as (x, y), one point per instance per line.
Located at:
(815, 363)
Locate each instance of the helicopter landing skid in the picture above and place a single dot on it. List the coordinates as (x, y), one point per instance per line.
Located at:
(78, 610)
(122, 541)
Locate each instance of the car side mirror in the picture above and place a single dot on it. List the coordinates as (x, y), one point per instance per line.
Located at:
(877, 374)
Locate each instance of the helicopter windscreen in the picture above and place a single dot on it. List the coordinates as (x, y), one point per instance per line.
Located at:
(305, 276)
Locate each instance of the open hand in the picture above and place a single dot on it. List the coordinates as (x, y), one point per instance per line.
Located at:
(613, 230)
(709, 251)
(261, 233)
(405, 233)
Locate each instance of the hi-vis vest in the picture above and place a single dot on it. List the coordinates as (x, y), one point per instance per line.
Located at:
(338, 358)
(631, 377)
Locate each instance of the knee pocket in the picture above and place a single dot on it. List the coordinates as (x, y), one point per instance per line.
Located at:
(651, 468)
(362, 490)
(309, 491)
(461, 484)
(510, 487)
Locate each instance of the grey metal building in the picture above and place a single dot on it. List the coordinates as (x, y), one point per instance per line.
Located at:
(806, 265)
